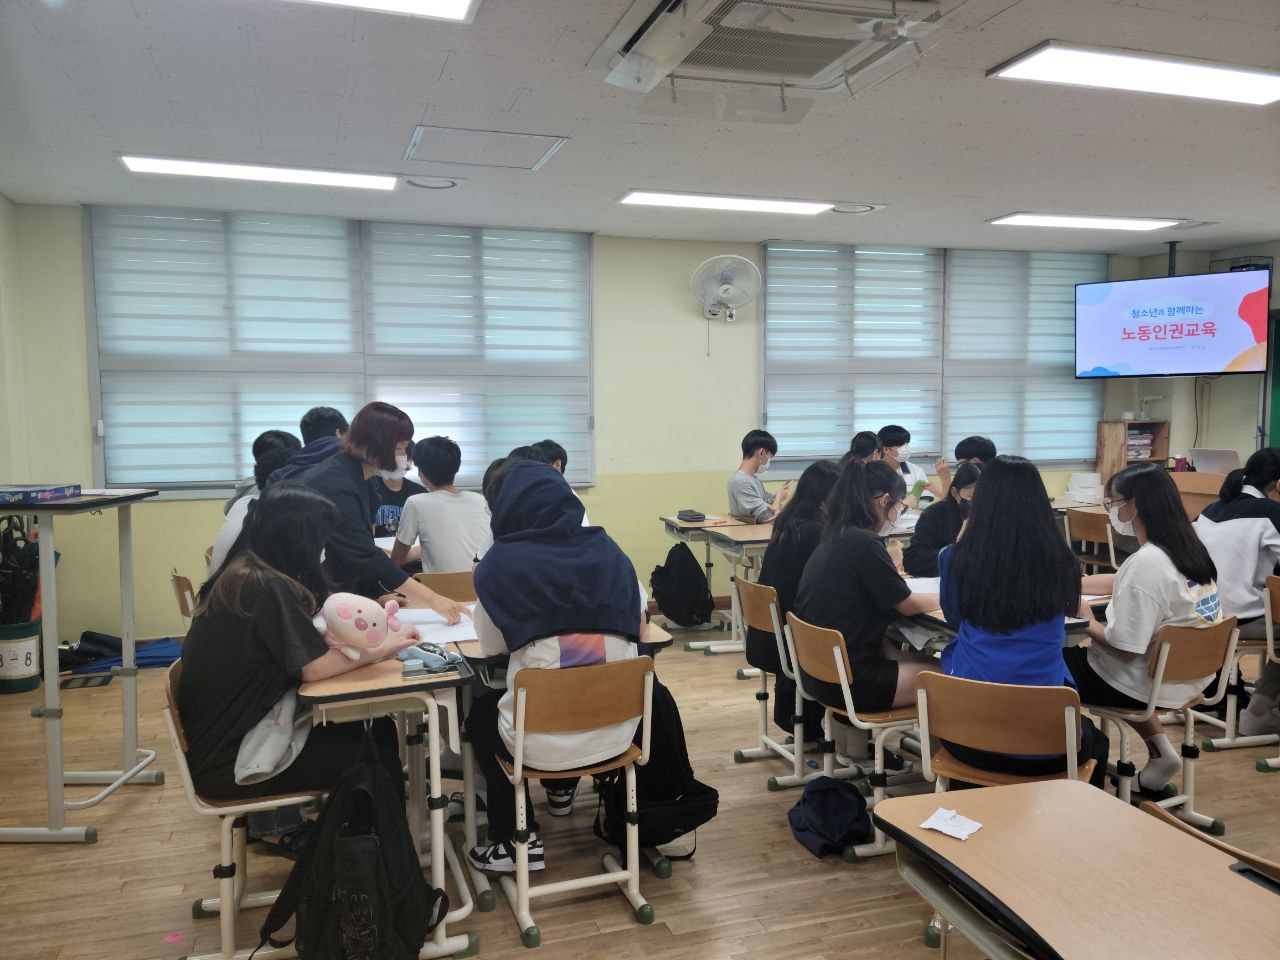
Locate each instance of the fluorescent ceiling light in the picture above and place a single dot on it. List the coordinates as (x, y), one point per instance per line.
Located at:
(698, 201)
(1057, 62)
(1082, 223)
(245, 171)
(461, 11)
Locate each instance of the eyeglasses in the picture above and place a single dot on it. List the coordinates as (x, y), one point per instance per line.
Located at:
(1108, 504)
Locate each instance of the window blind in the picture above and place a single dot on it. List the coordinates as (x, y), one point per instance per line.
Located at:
(213, 327)
(948, 344)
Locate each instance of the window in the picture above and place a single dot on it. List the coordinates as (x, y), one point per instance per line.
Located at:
(946, 343)
(212, 327)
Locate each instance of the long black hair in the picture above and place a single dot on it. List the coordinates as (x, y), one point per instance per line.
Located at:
(808, 501)
(1013, 567)
(1163, 518)
(1260, 471)
(852, 502)
(966, 475)
(283, 535)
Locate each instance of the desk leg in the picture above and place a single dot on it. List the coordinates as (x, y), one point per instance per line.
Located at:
(470, 835)
(737, 641)
(441, 944)
(57, 830)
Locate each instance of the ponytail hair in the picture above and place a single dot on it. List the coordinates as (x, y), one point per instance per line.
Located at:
(1260, 471)
(852, 501)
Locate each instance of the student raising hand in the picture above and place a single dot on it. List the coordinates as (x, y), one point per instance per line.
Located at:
(942, 468)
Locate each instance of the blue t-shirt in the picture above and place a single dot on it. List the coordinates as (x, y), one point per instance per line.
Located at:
(1031, 656)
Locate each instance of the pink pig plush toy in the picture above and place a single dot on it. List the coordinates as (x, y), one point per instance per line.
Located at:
(352, 624)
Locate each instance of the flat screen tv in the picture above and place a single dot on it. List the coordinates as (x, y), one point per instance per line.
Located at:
(1196, 325)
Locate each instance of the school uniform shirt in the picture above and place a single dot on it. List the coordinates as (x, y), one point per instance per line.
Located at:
(1243, 538)
(1029, 656)
(850, 584)
(386, 516)
(938, 527)
(1149, 594)
(453, 529)
(560, 751)
(783, 565)
(913, 475)
(231, 528)
(236, 665)
(748, 497)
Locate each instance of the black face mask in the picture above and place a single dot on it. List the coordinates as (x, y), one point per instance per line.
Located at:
(964, 507)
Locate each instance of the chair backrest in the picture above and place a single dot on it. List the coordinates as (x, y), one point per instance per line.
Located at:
(813, 646)
(460, 587)
(757, 601)
(999, 717)
(208, 557)
(574, 699)
(1087, 526)
(1271, 600)
(1268, 868)
(1194, 652)
(749, 520)
(184, 594)
(171, 679)
(1197, 490)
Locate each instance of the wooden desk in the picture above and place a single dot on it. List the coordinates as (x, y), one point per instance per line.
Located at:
(1062, 866)
(694, 531)
(133, 759)
(741, 546)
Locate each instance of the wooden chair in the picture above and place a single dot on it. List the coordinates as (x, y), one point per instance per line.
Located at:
(572, 701)
(1272, 601)
(208, 559)
(759, 606)
(1092, 530)
(231, 872)
(975, 714)
(1268, 868)
(186, 597)
(1197, 490)
(822, 656)
(460, 586)
(1264, 650)
(1184, 654)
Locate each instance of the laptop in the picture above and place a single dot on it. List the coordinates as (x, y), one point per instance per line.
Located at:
(1214, 461)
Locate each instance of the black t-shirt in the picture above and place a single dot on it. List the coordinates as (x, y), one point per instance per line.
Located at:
(236, 667)
(781, 569)
(850, 584)
(386, 518)
(937, 527)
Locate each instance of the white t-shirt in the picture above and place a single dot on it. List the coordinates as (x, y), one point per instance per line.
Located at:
(231, 527)
(1149, 594)
(453, 528)
(560, 751)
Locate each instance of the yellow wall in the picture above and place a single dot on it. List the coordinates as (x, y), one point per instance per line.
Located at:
(668, 415)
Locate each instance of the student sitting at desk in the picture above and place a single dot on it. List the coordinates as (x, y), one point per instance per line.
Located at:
(375, 445)
(558, 457)
(897, 451)
(451, 524)
(1170, 581)
(263, 444)
(940, 524)
(977, 450)
(748, 499)
(322, 431)
(265, 465)
(393, 492)
(252, 641)
(554, 595)
(1008, 585)
(851, 584)
(796, 535)
(865, 446)
(1242, 533)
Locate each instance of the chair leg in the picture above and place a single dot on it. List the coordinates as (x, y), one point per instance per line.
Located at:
(1230, 725)
(762, 748)
(517, 892)
(228, 906)
(631, 887)
(1183, 806)
(1125, 769)
(880, 844)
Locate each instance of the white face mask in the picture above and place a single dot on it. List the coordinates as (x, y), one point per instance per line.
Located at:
(402, 468)
(764, 467)
(904, 453)
(1122, 527)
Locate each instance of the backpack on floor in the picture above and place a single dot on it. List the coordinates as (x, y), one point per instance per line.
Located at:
(679, 587)
(671, 800)
(830, 815)
(358, 890)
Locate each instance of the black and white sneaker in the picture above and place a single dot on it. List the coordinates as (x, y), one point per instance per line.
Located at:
(500, 857)
(560, 802)
(456, 809)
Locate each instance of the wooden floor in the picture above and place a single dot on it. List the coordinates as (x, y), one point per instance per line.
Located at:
(752, 891)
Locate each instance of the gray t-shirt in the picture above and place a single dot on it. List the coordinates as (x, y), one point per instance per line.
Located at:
(748, 497)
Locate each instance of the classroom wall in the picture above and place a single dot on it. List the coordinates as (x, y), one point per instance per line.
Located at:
(673, 396)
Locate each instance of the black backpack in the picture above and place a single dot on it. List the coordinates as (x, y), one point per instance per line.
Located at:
(358, 891)
(680, 588)
(671, 801)
(830, 815)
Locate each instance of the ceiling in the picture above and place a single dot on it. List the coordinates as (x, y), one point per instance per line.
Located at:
(271, 81)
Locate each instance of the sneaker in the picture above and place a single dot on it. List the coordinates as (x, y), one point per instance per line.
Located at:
(455, 810)
(500, 857)
(560, 802)
(1256, 725)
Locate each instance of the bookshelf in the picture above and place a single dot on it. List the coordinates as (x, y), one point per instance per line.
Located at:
(1122, 442)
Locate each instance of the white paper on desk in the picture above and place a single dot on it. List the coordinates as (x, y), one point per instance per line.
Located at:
(952, 824)
(421, 615)
(384, 543)
(924, 584)
(906, 521)
(918, 637)
(441, 632)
